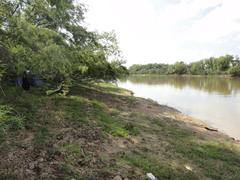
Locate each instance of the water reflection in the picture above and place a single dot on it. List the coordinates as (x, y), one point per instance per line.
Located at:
(212, 84)
(215, 100)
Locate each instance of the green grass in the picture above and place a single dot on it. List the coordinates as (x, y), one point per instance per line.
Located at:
(8, 176)
(10, 120)
(111, 125)
(42, 138)
(212, 159)
(107, 122)
(111, 88)
(161, 169)
(73, 109)
(73, 149)
(59, 125)
(206, 154)
(69, 173)
(131, 128)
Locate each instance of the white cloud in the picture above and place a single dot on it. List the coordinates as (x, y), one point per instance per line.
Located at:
(217, 24)
(167, 31)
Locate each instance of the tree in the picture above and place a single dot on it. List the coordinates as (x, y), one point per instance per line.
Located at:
(197, 68)
(235, 67)
(235, 71)
(3, 55)
(179, 68)
(3, 58)
(212, 65)
(47, 37)
(223, 62)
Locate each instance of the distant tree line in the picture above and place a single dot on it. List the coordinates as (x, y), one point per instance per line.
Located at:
(212, 66)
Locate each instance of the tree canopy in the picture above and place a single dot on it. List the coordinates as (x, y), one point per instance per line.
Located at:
(49, 38)
(221, 65)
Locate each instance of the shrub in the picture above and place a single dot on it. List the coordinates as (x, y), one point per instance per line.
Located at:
(235, 71)
(9, 120)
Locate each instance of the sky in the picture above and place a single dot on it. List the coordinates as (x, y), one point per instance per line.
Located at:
(166, 31)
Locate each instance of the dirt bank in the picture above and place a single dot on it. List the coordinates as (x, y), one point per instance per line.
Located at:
(101, 131)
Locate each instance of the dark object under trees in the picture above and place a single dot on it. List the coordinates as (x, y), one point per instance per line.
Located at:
(27, 80)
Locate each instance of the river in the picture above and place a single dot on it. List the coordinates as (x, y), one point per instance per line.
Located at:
(214, 100)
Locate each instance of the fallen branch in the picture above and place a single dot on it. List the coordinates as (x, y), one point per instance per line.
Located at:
(210, 129)
(62, 89)
(55, 91)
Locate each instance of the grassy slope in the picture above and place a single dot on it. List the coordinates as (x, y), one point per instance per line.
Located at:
(99, 131)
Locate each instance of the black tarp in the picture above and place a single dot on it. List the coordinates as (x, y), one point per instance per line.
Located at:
(34, 80)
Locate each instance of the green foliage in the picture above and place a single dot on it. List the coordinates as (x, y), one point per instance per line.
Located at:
(109, 124)
(197, 68)
(2, 70)
(235, 70)
(235, 67)
(179, 68)
(47, 37)
(220, 65)
(9, 120)
(149, 69)
(2, 64)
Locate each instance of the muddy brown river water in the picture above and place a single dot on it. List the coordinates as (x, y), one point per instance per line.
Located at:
(214, 100)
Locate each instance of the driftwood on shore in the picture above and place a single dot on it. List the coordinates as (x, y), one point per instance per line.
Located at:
(210, 129)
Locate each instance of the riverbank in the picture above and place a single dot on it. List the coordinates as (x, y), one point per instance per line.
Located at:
(101, 131)
(191, 75)
(214, 100)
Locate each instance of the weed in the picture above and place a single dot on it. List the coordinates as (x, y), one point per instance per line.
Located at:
(10, 120)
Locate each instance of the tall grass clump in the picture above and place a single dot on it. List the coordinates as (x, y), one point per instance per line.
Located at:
(10, 120)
